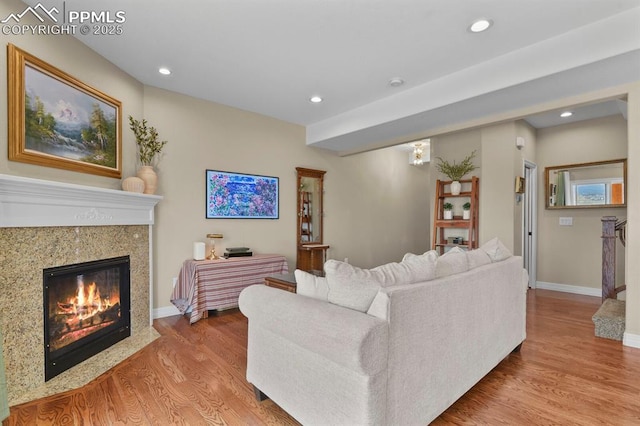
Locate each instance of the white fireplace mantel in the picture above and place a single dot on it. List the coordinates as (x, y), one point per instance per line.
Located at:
(27, 202)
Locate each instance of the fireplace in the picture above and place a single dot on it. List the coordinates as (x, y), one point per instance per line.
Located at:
(86, 310)
(44, 224)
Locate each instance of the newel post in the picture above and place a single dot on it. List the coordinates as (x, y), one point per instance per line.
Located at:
(608, 257)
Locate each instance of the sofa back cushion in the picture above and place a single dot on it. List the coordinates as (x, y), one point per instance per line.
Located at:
(355, 288)
(477, 257)
(452, 262)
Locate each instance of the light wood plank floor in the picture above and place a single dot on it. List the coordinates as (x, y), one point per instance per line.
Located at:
(194, 375)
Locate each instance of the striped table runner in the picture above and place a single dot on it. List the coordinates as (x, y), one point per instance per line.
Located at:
(216, 284)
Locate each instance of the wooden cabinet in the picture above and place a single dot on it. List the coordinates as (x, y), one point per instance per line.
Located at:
(456, 231)
(311, 249)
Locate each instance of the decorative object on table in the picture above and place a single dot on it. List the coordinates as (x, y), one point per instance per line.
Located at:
(212, 243)
(149, 147)
(456, 171)
(448, 211)
(133, 184)
(466, 211)
(238, 252)
(199, 250)
(55, 120)
(241, 195)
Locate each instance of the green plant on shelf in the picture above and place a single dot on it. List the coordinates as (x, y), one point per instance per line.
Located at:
(447, 206)
(456, 171)
(466, 206)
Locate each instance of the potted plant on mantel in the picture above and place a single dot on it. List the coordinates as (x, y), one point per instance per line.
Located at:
(149, 147)
(456, 171)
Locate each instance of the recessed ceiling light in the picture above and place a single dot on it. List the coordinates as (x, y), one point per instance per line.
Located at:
(480, 25)
(566, 114)
(164, 71)
(315, 99)
(395, 82)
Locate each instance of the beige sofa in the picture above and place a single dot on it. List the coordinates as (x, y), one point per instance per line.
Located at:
(418, 347)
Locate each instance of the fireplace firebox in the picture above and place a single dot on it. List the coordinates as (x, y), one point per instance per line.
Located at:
(86, 310)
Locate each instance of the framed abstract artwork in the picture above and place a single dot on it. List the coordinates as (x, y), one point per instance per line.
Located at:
(241, 196)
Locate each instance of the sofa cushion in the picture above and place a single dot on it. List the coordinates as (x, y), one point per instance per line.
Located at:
(452, 262)
(496, 250)
(355, 288)
(477, 257)
(311, 285)
(423, 266)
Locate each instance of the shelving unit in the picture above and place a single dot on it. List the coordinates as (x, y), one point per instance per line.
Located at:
(306, 229)
(469, 192)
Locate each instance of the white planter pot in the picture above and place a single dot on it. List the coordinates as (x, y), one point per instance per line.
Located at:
(448, 214)
(456, 187)
(466, 214)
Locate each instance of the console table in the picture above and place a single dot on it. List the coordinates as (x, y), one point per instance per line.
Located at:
(205, 285)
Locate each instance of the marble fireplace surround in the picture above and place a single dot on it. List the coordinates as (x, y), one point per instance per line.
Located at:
(45, 224)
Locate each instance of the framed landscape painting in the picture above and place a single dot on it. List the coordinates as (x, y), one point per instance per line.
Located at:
(57, 121)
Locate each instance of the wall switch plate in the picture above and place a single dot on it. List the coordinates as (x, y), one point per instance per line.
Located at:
(566, 221)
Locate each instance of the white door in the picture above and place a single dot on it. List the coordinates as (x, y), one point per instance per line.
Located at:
(529, 239)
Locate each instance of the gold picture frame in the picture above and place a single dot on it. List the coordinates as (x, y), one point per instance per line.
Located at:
(55, 120)
(520, 182)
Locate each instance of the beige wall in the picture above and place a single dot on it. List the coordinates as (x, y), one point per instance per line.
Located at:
(71, 56)
(374, 202)
(572, 255)
(499, 162)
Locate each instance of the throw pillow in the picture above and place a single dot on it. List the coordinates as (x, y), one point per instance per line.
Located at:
(423, 265)
(355, 288)
(311, 285)
(496, 250)
(349, 286)
(477, 258)
(452, 262)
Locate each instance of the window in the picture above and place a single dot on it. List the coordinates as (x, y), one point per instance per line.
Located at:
(597, 191)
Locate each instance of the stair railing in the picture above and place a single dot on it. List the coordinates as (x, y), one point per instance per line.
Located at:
(611, 230)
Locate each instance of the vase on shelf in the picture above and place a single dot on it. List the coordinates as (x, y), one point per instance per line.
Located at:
(456, 187)
(466, 214)
(448, 214)
(150, 178)
(133, 184)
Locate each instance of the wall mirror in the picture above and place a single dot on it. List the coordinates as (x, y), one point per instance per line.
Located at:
(586, 185)
(311, 247)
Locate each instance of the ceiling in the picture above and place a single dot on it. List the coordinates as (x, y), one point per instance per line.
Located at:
(271, 56)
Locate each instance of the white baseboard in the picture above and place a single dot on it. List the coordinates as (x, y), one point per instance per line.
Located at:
(566, 288)
(166, 311)
(631, 340)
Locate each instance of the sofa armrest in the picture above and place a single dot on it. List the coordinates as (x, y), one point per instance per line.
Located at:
(350, 338)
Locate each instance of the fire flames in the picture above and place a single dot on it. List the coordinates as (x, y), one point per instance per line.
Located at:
(86, 302)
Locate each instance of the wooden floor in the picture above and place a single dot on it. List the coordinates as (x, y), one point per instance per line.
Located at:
(195, 375)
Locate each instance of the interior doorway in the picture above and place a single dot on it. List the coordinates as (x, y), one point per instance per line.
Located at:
(529, 217)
